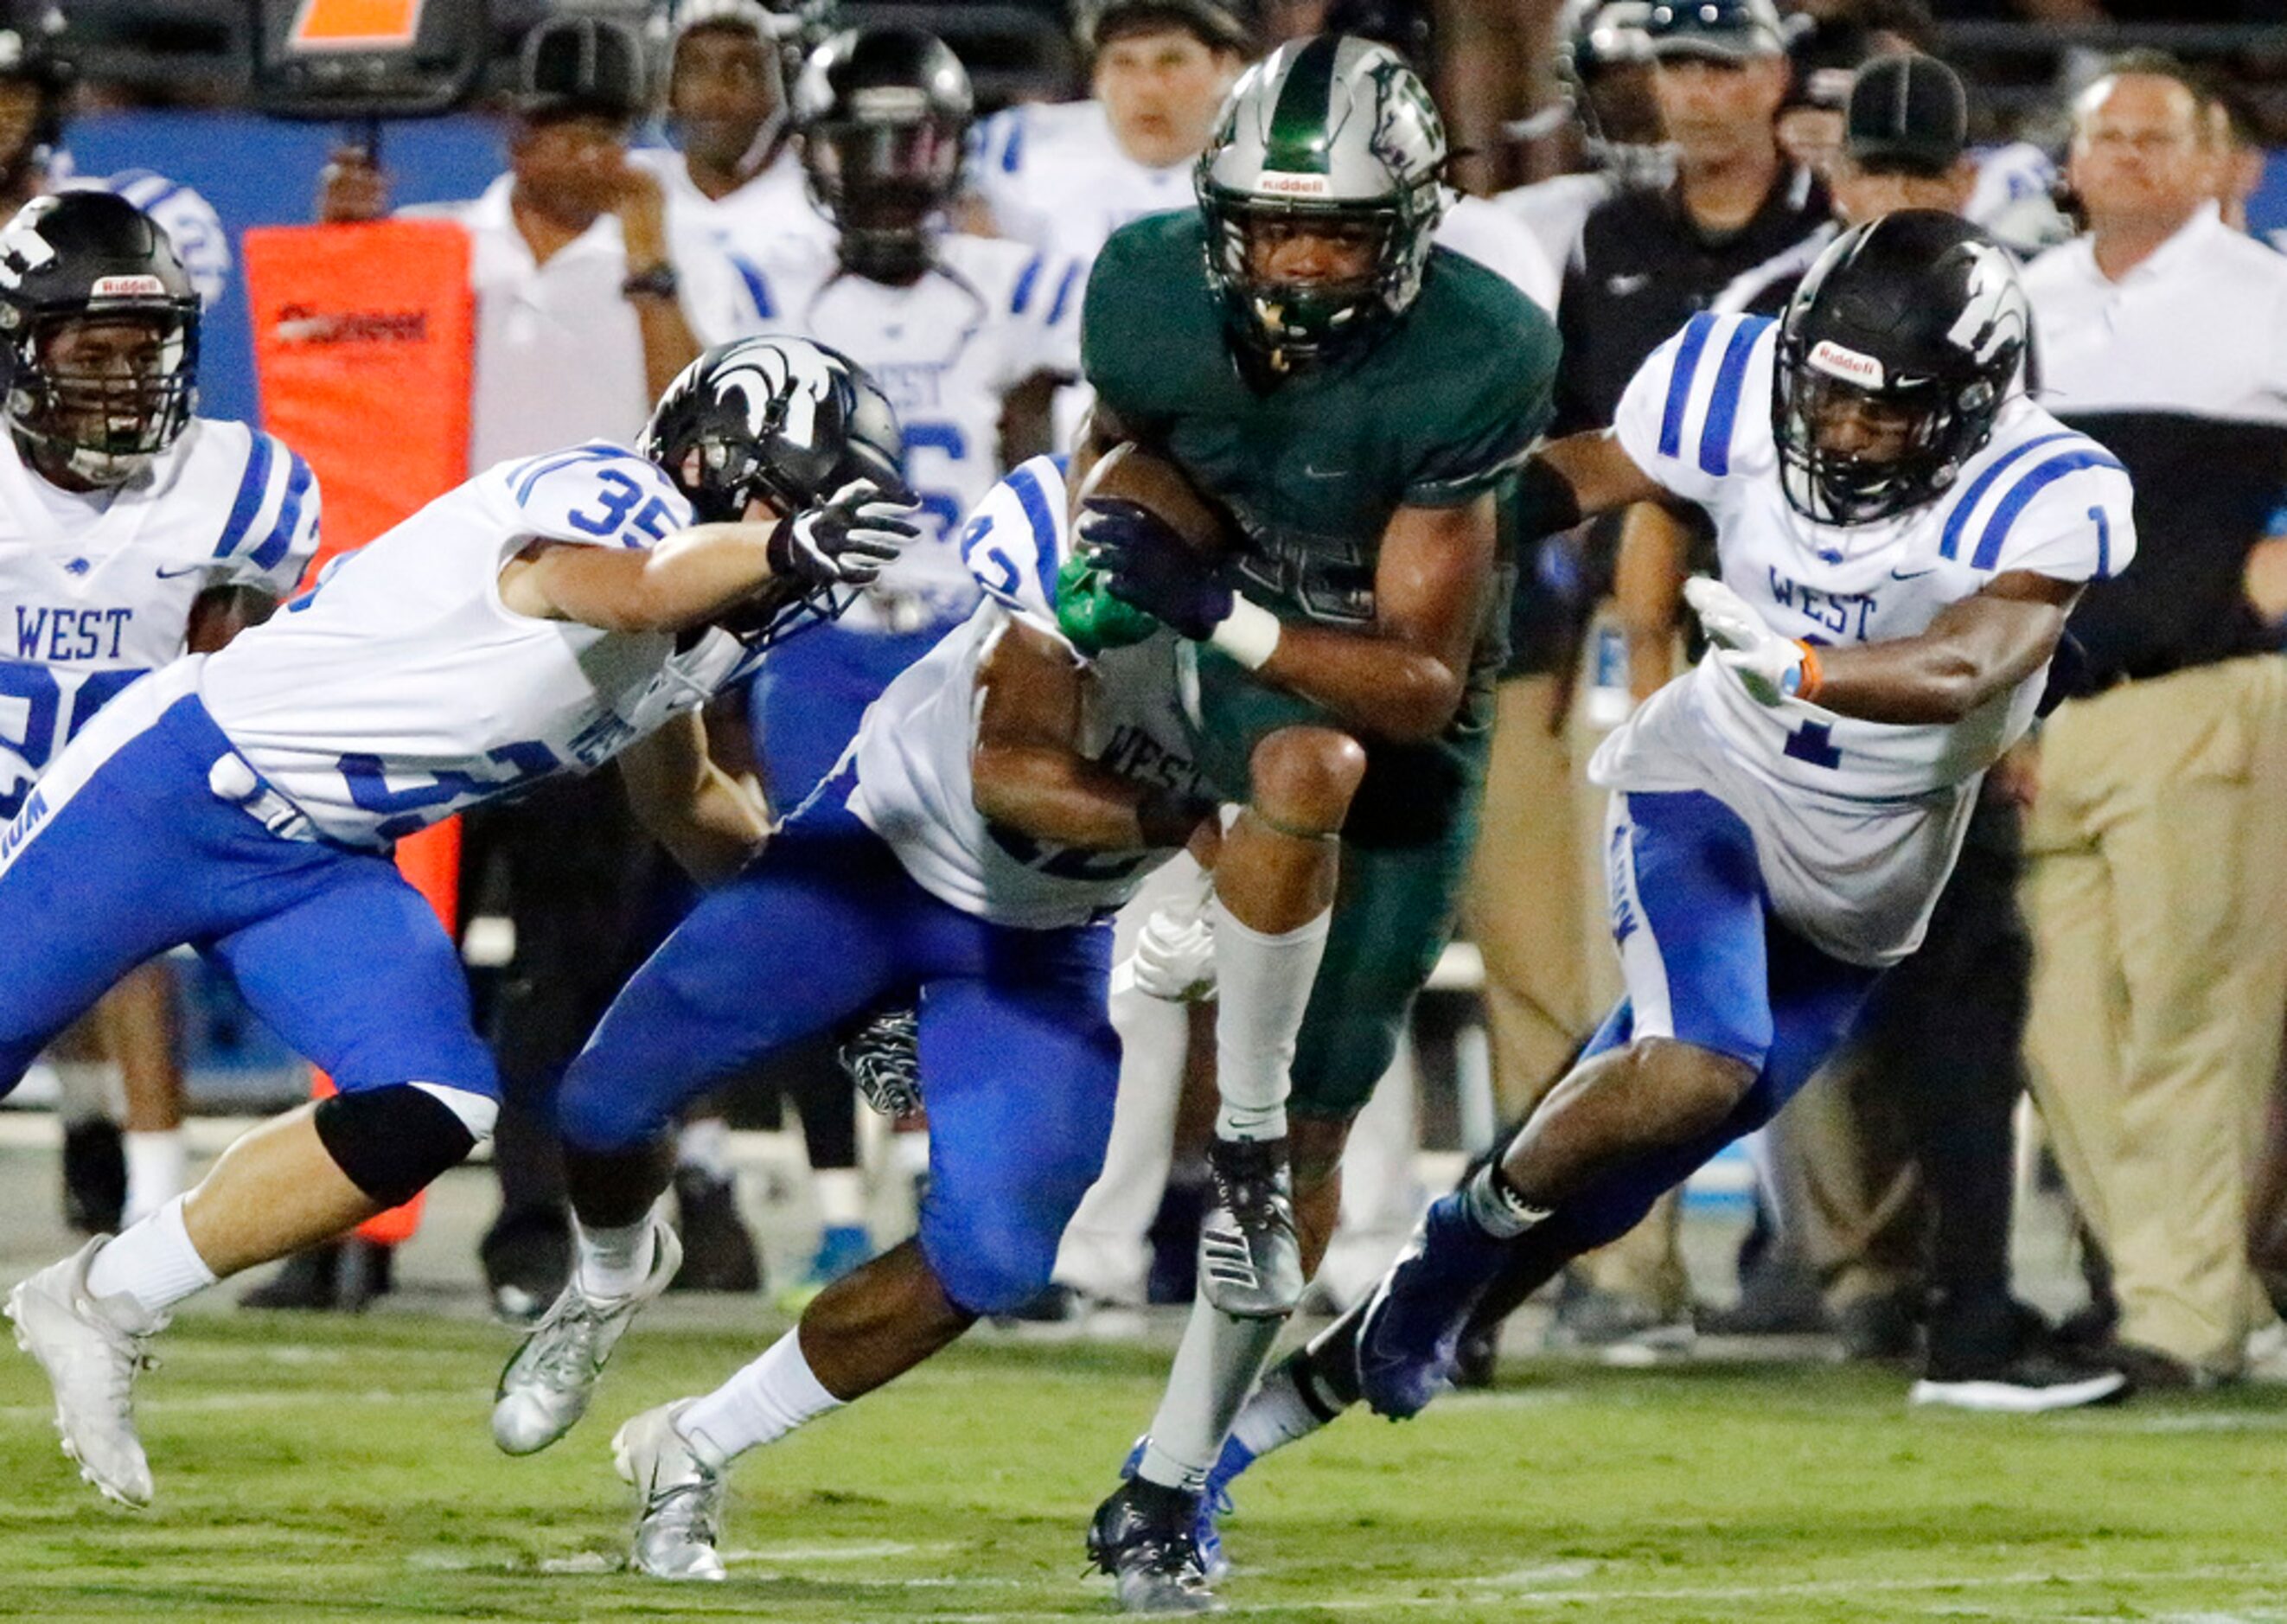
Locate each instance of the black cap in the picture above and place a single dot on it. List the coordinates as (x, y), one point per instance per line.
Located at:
(575, 66)
(1907, 112)
(1731, 30)
(1223, 25)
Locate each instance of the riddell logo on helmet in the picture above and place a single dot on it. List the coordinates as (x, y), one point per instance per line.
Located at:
(127, 288)
(1848, 365)
(1279, 184)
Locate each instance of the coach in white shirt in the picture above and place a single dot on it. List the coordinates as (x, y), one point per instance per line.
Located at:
(2162, 334)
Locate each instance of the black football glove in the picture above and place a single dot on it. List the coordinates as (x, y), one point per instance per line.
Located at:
(1145, 562)
(847, 541)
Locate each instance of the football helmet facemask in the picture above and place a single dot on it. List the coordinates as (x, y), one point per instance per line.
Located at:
(884, 114)
(1914, 327)
(98, 336)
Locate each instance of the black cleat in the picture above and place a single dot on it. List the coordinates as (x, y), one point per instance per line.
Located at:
(1142, 1537)
(2033, 1382)
(95, 1176)
(1250, 1257)
(718, 1249)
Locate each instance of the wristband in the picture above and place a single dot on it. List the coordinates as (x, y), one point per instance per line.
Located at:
(1808, 676)
(1250, 634)
(656, 282)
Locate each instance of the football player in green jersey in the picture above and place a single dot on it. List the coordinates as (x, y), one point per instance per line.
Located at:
(1357, 397)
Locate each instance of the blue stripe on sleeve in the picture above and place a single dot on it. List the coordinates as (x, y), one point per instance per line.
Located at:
(541, 467)
(1997, 528)
(757, 289)
(1013, 154)
(1064, 293)
(1679, 382)
(1958, 521)
(253, 485)
(1035, 501)
(1723, 407)
(275, 547)
(1025, 279)
(2103, 543)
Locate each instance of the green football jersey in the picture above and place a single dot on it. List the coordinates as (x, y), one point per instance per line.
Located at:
(1437, 411)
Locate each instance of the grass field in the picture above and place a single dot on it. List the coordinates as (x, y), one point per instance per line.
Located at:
(342, 1469)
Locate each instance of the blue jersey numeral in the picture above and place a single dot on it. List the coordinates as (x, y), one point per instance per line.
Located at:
(618, 500)
(1067, 862)
(943, 506)
(1814, 742)
(39, 729)
(369, 788)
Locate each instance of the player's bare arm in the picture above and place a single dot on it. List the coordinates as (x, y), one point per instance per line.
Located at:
(1027, 769)
(1982, 647)
(709, 822)
(221, 612)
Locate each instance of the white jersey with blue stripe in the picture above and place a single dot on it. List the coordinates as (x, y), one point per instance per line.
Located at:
(945, 350)
(2036, 498)
(911, 758)
(1055, 177)
(402, 690)
(96, 589)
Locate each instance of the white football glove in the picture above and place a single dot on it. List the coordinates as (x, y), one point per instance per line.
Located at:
(1769, 665)
(1174, 959)
(845, 542)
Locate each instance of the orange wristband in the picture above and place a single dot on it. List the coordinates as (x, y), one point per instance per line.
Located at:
(1807, 685)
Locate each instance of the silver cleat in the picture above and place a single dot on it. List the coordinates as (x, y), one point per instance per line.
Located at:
(1250, 1256)
(92, 1352)
(682, 1517)
(545, 1386)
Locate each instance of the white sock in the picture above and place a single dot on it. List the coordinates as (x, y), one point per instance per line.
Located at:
(1263, 986)
(157, 1163)
(613, 1262)
(705, 1145)
(87, 1091)
(760, 1405)
(1215, 1368)
(1276, 1416)
(840, 1197)
(153, 1262)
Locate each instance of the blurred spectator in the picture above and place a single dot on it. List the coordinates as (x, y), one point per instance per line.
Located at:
(2156, 1004)
(1603, 67)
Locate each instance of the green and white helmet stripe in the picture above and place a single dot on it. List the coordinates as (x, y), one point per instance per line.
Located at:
(1335, 127)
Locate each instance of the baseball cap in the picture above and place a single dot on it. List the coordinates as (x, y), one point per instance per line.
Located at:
(1908, 112)
(571, 66)
(1731, 30)
(1227, 24)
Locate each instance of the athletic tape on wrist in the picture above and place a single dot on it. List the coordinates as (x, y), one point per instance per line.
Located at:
(1250, 634)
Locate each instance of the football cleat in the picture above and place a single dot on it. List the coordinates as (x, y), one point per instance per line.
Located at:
(682, 1516)
(1250, 1257)
(2029, 1384)
(1142, 1537)
(1214, 1500)
(1409, 1337)
(92, 1352)
(546, 1384)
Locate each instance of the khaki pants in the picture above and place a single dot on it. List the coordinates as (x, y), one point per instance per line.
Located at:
(2153, 856)
(1535, 910)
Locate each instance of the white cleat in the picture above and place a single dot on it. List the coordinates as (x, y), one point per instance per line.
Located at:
(91, 1351)
(682, 1491)
(545, 1386)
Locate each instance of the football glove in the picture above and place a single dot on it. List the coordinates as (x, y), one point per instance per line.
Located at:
(1175, 957)
(1769, 666)
(1090, 617)
(883, 1056)
(1147, 565)
(846, 542)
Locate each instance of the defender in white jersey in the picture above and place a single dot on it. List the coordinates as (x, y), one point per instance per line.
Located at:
(540, 619)
(1902, 536)
(1003, 798)
(130, 529)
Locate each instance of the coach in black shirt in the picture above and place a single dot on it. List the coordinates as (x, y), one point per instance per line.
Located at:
(1648, 260)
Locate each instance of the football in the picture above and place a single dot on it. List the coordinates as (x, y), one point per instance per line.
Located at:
(1155, 484)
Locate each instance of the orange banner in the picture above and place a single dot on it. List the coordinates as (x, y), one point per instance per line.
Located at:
(355, 25)
(363, 352)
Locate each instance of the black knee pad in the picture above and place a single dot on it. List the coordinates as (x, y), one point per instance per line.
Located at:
(392, 1142)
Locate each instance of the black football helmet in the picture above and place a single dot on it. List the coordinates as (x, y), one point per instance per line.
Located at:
(884, 114)
(1920, 313)
(73, 262)
(32, 52)
(779, 418)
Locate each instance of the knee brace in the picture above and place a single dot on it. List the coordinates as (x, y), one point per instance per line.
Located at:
(392, 1142)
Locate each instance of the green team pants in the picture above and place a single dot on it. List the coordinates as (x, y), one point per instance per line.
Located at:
(1406, 854)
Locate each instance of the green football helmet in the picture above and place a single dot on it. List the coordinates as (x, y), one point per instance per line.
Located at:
(1338, 136)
